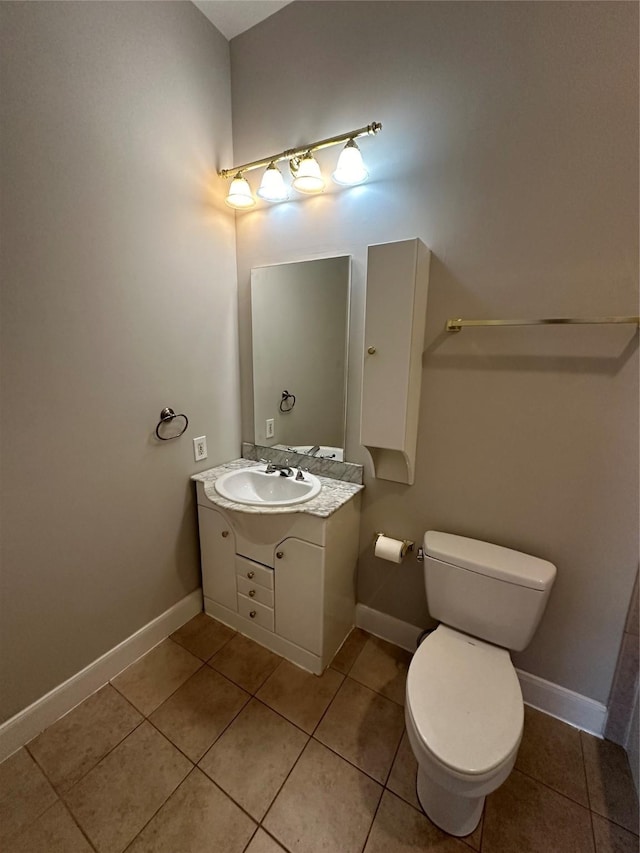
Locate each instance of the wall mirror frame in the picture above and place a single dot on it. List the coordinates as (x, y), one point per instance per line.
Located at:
(300, 331)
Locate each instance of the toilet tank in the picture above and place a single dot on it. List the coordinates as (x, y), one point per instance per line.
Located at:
(490, 592)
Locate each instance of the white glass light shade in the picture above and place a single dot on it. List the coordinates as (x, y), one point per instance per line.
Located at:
(308, 178)
(239, 195)
(350, 168)
(272, 187)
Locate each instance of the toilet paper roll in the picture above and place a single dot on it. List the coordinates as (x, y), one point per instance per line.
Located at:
(389, 549)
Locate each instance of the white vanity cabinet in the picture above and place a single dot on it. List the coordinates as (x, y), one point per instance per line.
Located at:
(286, 580)
(217, 555)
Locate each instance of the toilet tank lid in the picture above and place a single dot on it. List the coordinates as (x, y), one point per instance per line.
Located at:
(492, 560)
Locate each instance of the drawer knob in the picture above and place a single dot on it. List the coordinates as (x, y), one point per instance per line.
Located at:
(371, 350)
(225, 533)
(250, 575)
(279, 554)
(253, 614)
(252, 592)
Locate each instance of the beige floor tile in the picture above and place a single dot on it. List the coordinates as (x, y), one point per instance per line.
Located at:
(363, 727)
(299, 696)
(153, 678)
(550, 752)
(116, 799)
(253, 757)
(245, 662)
(198, 817)
(263, 843)
(402, 779)
(382, 667)
(349, 651)
(399, 828)
(55, 831)
(326, 804)
(75, 743)
(203, 636)
(611, 838)
(524, 815)
(195, 715)
(25, 794)
(612, 793)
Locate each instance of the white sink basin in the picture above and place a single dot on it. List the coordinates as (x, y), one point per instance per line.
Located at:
(255, 487)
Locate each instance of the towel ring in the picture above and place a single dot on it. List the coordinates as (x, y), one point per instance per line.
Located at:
(167, 416)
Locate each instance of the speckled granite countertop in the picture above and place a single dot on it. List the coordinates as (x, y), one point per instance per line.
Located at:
(333, 495)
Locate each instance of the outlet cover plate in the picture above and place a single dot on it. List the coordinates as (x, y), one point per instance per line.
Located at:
(200, 448)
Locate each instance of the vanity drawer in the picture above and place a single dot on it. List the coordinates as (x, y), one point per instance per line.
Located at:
(254, 572)
(254, 591)
(256, 612)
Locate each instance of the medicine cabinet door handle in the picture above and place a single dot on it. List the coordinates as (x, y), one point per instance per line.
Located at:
(279, 554)
(371, 350)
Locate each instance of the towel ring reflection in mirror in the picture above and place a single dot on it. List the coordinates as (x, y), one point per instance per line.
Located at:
(287, 402)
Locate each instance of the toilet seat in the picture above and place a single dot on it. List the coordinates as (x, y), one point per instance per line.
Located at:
(465, 701)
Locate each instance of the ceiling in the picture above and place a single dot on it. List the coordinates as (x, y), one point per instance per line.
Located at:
(233, 17)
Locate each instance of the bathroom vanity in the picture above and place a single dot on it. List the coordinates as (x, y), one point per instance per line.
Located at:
(282, 575)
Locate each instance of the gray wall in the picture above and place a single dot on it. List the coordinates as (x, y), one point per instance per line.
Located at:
(118, 298)
(510, 147)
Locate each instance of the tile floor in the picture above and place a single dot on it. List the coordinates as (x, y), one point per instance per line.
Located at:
(212, 743)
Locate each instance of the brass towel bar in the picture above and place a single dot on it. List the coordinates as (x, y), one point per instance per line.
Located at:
(457, 325)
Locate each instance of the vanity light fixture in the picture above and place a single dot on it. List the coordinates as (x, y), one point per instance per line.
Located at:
(350, 169)
(307, 176)
(272, 186)
(239, 195)
(304, 168)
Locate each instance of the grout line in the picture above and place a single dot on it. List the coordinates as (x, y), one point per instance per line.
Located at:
(164, 802)
(277, 794)
(549, 787)
(373, 820)
(326, 710)
(584, 771)
(395, 755)
(593, 830)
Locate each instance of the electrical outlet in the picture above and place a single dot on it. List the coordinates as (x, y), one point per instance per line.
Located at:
(271, 428)
(200, 448)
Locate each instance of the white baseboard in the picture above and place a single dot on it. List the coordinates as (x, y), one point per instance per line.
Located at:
(26, 724)
(557, 701)
(387, 627)
(572, 708)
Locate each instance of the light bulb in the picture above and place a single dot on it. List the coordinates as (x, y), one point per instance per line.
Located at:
(350, 168)
(308, 178)
(272, 187)
(239, 195)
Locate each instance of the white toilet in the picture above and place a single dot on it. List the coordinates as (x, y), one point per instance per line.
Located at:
(464, 710)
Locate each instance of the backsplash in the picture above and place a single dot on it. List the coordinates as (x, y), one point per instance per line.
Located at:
(349, 472)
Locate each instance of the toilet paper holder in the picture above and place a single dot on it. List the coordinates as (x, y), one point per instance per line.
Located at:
(407, 544)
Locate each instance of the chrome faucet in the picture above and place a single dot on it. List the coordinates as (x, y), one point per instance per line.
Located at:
(285, 470)
(313, 450)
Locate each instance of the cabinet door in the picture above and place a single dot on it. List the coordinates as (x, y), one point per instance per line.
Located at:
(217, 557)
(299, 593)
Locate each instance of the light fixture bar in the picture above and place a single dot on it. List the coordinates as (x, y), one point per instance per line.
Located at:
(369, 130)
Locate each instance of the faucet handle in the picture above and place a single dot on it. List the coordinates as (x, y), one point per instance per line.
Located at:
(301, 473)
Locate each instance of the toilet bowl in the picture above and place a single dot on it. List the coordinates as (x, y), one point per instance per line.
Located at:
(464, 711)
(464, 716)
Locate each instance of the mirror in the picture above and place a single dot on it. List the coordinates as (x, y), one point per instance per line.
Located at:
(300, 315)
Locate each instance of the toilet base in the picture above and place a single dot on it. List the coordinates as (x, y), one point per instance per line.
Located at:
(452, 813)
